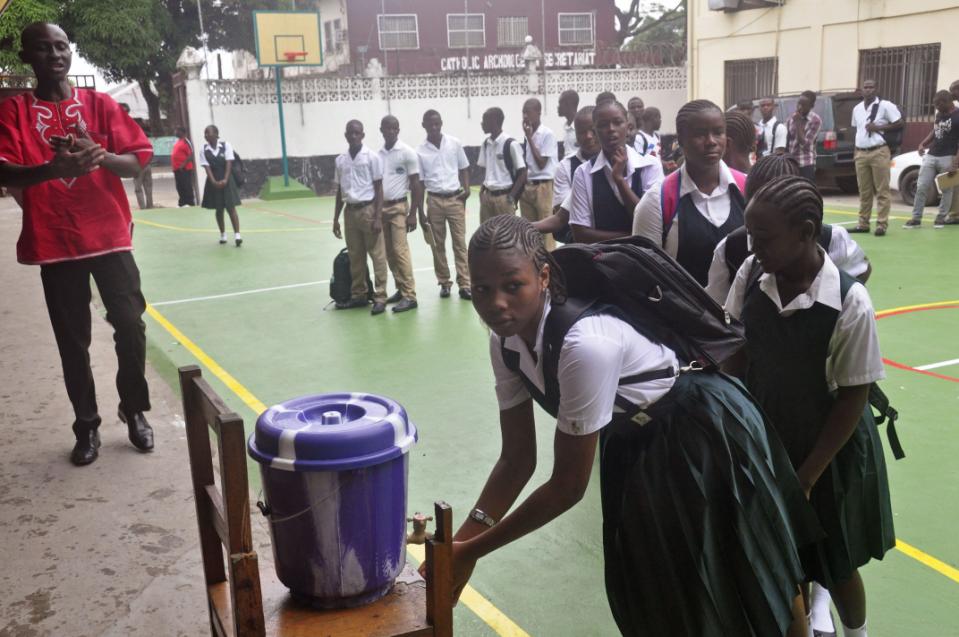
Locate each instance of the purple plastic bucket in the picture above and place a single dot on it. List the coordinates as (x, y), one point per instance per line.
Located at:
(334, 470)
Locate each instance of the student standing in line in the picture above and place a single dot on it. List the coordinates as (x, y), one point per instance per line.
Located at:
(359, 178)
(871, 118)
(703, 199)
(772, 134)
(605, 191)
(220, 190)
(811, 354)
(567, 108)
(803, 126)
(740, 141)
(444, 171)
(636, 108)
(940, 154)
(646, 134)
(181, 160)
(401, 174)
(536, 200)
(605, 96)
(498, 154)
(953, 217)
(735, 570)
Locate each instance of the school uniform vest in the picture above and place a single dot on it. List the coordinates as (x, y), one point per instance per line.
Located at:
(698, 237)
(609, 213)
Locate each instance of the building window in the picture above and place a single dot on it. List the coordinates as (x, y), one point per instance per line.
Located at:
(904, 75)
(398, 31)
(333, 35)
(512, 31)
(466, 30)
(575, 29)
(751, 79)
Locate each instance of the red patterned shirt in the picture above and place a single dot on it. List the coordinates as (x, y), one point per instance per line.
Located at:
(803, 148)
(79, 217)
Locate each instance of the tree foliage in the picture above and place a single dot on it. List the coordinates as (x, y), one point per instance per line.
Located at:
(654, 23)
(18, 15)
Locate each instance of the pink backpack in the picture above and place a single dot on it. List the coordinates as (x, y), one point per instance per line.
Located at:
(669, 196)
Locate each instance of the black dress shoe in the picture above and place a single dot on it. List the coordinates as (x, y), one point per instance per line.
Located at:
(396, 298)
(139, 430)
(445, 290)
(405, 305)
(858, 229)
(465, 294)
(378, 308)
(87, 448)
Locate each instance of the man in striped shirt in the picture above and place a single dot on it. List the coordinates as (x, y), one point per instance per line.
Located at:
(803, 127)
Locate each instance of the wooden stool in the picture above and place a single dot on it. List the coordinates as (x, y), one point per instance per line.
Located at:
(251, 603)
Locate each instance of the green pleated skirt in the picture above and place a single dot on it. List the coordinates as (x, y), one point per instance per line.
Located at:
(703, 517)
(220, 198)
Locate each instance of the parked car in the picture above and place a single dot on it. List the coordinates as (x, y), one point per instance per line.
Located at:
(836, 142)
(903, 175)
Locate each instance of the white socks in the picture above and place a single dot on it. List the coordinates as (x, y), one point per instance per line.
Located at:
(854, 632)
(236, 235)
(821, 620)
(222, 237)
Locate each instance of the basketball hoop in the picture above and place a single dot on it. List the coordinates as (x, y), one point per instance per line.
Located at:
(294, 56)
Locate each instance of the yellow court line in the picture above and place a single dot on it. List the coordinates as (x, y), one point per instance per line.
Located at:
(851, 213)
(165, 226)
(937, 565)
(483, 608)
(920, 306)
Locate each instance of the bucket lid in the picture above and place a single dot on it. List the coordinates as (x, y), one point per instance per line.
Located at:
(331, 432)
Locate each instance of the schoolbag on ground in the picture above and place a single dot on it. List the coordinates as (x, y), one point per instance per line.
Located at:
(341, 283)
(508, 160)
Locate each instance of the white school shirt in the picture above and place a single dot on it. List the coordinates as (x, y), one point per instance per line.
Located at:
(356, 175)
(399, 163)
(545, 142)
(853, 357)
(220, 146)
(563, 181)
(440, 167)
(648, 219)
(844, 252)
(596, 353)
(581, 212)
(491, 158)
(648, 143)
(766, 130)
(887, 114)
(570, 145)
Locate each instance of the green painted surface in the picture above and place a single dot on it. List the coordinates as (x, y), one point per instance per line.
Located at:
(274, 189)
(287, 342)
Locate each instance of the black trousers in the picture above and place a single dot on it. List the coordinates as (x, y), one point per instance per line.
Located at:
(184, 187)
(66, 287)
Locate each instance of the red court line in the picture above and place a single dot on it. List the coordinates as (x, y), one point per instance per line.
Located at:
(909, 310)
(897, 365)
(919, 371)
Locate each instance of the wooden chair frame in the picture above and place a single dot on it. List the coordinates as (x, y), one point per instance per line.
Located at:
(223, 518)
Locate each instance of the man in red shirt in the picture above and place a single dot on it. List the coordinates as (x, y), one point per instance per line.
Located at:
(182, 162)
(63, 151)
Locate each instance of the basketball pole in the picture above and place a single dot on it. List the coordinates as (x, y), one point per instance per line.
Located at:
(278, 71)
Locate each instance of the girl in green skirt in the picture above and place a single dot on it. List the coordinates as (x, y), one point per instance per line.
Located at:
(811, 354)
(220, 191)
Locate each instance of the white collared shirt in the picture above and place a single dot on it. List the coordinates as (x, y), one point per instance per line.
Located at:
(887, 114)
(545, 142)
(844, 252)
(648, 220)
(648, 143)
(563, 181)
(570, 145)
(440, 167)
(399, 163)
(596, 353)
(221, 147)
(581, 212)
(356, 175)
(491, 158)
(767, 130)
(853, 357)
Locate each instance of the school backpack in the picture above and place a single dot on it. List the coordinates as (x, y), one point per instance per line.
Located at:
(510, 166)
(341, 283)
(893, 137)
(239, 170)
(669, 196)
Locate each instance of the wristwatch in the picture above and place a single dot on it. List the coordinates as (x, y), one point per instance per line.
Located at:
(482, 517)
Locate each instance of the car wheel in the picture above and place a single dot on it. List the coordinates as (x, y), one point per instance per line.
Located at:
(907, 188)
(848, 184)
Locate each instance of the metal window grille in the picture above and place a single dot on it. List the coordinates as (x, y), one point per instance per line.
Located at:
(398, 31)
(751, 79)
(904, 75)
(466, 30)
(576, 29)
(512, 31)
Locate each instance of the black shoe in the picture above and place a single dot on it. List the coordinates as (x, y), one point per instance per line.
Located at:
(405, 305)
(465, 294)
(396, 298)
(239, 242)
(351, 304)
(445, 290)
(912, 223)
(859, 229)
(378, 308)
(880, 231)
(87, 448)
(139, 430)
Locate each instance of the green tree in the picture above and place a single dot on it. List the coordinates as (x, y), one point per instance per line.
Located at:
(652, 23)
(18, 15)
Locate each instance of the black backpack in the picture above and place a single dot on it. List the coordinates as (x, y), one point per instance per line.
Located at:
(508, 160)
(239, 170)
(341, 283)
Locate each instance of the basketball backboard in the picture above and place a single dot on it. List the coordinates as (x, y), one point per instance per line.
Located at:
(287, 38)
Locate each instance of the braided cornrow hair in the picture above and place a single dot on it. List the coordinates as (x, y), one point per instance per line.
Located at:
(795, 196)
(688, 110)
(768, 168)
(511, 232)
(740, 130)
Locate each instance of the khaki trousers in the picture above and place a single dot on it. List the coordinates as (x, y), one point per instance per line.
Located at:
(536, 203)
(360, 242)
(872, 173)
(954, 210)
(398, 249)
(494, 205)
(440, 212)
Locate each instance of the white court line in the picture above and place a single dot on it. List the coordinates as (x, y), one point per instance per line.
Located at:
(954, 361)
(844, 223)
(213, 297)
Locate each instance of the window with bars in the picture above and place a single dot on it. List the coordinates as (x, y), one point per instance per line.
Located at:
(398, 31)
(575, 29)
(466, 30)
(904, 75)
(333, 34)
(512, 31)
(751, 79)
